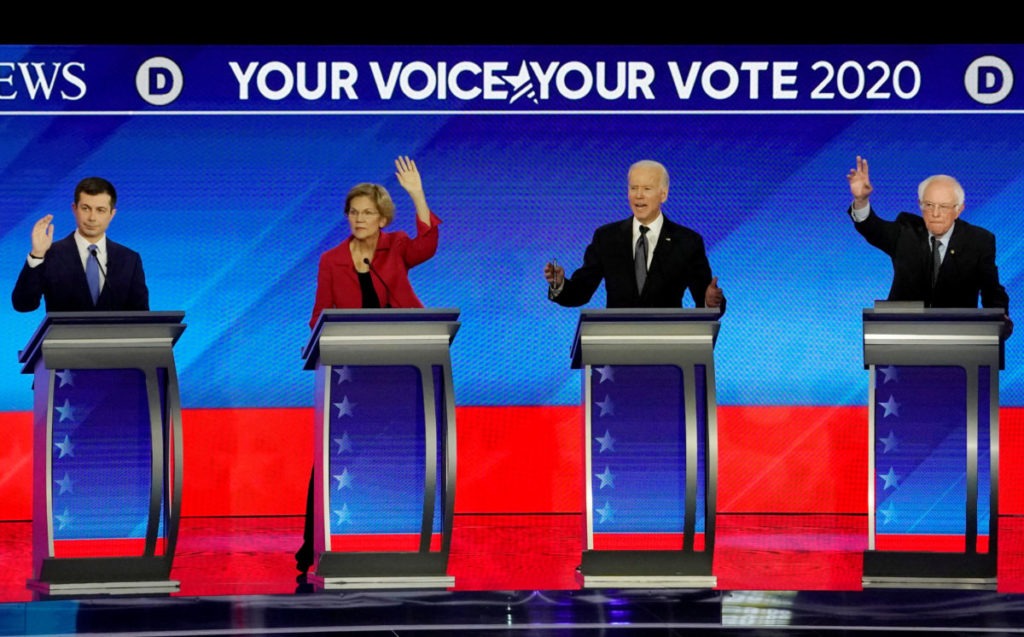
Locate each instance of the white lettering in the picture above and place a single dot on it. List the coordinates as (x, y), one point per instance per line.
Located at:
(586, 80)
(732, 80)
(243, 78)
(544, 77)
(303, 81)
(781, 79)
(287, 80)
(343, 76)
(385, 88)
(684, 88)
(74, 80)
(493, 82)
(641, 76)
(7, 79)
(721, 80)
(40, 81)
(276, 80)
(453, 81)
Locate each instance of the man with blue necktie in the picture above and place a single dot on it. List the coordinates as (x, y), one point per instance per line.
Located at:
(84, 271)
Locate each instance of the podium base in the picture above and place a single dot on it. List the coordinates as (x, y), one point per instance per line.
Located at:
(987, 584)
(923, 569)
(369, 582)
(164, 587)
(649, 581)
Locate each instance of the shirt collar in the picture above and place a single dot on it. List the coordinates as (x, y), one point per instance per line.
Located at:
(83, 244)
(944, 238)
(653, 229)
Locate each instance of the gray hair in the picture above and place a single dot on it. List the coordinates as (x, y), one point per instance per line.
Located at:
(958, 190)
(650, 163)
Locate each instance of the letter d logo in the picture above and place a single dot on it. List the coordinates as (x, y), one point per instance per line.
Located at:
(159, 81)
(988, 80)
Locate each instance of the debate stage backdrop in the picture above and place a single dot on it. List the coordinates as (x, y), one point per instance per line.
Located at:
(232, 163)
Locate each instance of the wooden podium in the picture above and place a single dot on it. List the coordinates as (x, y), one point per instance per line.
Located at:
(107, 452)
(933, 451)
(384, 445)
(651, 446)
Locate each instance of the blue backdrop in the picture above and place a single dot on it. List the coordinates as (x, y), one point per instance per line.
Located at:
(230, 195)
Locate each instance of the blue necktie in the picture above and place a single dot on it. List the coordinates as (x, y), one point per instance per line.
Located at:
(92, 273)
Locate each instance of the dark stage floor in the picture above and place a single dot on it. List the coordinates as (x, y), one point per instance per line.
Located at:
(513, 576)
(644, 612)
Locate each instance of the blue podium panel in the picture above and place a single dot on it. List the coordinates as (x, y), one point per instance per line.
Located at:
(378, 463)
(107, 447)
(101, 458)
(934, 456)
(638, 452)
(384, 469)
(650, 425)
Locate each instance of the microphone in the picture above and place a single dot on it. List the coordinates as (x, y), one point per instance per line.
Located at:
(103, 270)
(374, 272)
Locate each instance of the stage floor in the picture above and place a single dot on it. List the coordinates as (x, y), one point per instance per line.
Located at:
(514, 575)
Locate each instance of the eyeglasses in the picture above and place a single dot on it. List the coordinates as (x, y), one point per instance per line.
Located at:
(944, 208)
(366, 214)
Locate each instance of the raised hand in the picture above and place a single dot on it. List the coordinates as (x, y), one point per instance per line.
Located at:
(860, 184)
(42, 236)
(408, 176)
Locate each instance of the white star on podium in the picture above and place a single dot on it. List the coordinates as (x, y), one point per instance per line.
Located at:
(67, 448)
(344, 407)
(607, 442)
(892, 408)
(607, 478)
(344, 479)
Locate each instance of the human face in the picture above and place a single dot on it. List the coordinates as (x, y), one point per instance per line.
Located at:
(93, 214)
(939, 207)
(647, 191)
(363, 218)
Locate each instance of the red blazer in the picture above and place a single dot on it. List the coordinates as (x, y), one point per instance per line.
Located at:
(337, 284)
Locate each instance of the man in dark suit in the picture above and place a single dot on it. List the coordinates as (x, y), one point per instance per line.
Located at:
(58, 272)
(646, 260)
(937, 258)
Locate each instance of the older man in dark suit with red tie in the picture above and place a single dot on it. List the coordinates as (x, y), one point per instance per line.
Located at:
(84, 271)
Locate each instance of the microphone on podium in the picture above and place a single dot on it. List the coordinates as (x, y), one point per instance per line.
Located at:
(374, 272)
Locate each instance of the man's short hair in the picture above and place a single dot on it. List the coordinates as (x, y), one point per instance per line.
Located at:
(650, 163)
(96, 186)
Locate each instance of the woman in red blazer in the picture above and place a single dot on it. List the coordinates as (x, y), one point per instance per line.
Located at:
(370, 268)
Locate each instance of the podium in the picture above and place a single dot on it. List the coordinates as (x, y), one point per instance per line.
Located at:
(384, 448)
(651, 446)
(933, 449)
(107, 452)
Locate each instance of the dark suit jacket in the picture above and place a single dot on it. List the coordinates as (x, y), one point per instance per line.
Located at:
(968, 269)
(60, 281)
(680, 262)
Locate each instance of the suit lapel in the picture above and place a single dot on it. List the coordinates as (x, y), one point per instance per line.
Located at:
(667, 243)
(624, 246)
(72, 263)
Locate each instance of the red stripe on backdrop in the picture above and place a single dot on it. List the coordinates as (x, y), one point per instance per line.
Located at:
(257, 462)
